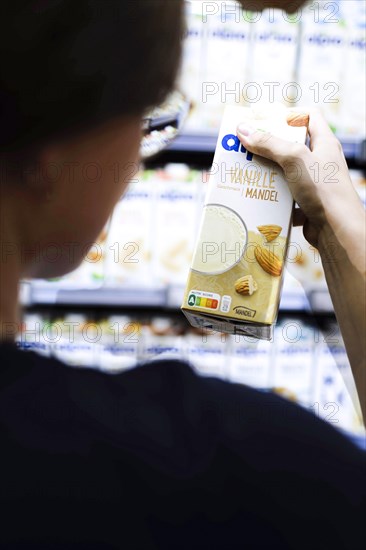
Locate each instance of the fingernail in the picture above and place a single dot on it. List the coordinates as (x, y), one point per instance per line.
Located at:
(245, 130)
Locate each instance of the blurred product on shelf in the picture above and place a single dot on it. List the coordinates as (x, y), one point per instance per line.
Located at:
(118, 343)
(323, 58)
(225, 47)
(152, 230)
(192, 61)
(293, 367)
(175, 220)
(207, 352)
(303, 363)
(251, 361)
(316, 56)
(275, 39)
(353, 107)
(303, 264)
(162, 339)
(73, 338)
(130, 239)
(34, 334)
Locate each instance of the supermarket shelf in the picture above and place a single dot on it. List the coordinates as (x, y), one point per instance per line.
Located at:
(205, 142)
(194, 142)
(170, 297)
(102, 296)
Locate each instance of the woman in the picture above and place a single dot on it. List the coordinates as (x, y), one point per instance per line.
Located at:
(156, 457)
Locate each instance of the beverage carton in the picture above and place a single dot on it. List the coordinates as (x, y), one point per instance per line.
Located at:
(237, 269)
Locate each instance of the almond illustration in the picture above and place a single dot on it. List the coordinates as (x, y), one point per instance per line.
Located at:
(270, 232)
(298, 119)
(246, 285)
(268, 261)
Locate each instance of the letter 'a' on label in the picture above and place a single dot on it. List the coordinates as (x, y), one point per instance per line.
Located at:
(230, 142)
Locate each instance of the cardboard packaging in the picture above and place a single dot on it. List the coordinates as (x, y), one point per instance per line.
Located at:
(236, 275)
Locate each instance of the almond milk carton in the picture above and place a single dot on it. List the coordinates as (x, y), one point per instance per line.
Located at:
(235, 280)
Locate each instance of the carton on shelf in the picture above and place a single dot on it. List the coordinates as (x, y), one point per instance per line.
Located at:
(250, 361)
(175, 220)
(129, 246)
(273, 59)
(118, 347)
(162, 339)
(323, 59)
(74, 339)
(207, 351)
(293, 365)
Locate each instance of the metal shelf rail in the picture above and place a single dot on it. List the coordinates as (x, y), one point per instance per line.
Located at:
(205, 142)
(39, 293)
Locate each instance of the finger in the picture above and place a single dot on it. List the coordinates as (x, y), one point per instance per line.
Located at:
(271, 147)
(319, 131)
(299, 218)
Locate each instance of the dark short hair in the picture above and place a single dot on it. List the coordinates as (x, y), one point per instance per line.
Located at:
(66, 65)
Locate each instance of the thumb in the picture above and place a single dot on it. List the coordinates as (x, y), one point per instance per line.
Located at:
(269, 146)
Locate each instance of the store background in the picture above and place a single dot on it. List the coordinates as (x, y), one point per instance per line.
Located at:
(121, 306)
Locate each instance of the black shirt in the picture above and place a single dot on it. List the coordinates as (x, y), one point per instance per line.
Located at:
(159, 457)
